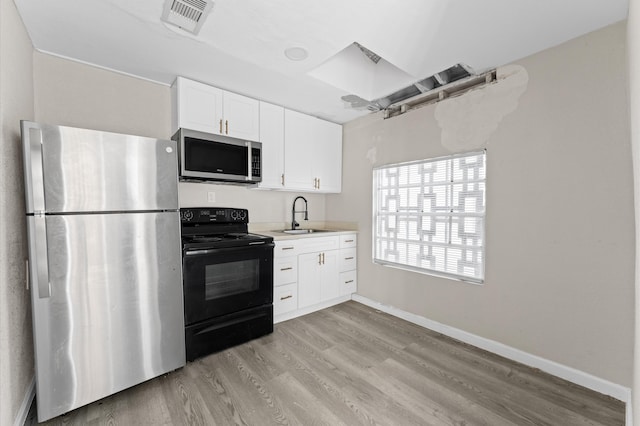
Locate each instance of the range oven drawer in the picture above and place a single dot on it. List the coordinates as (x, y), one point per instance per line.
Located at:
(226, 331)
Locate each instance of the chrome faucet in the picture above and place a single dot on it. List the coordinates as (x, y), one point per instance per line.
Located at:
(295, 224)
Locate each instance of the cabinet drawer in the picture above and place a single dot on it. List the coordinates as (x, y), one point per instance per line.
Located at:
(348, 241)
(285, 298)
(347, 259)
(286, 248)
(348, 282)
(285, 270)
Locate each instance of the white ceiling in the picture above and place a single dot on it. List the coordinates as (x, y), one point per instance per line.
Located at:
(241, 45)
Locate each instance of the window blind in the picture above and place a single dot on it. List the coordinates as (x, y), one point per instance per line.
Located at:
(429, 216)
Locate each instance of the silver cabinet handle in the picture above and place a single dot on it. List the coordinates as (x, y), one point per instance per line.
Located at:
(287, 248)
(348, 282)
(286, 297)
(348, 258)
(319, 258)
(42, 261)
(348, 241)
(286, 269)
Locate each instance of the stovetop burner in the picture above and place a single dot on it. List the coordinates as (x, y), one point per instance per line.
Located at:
(204, 229)
(203, 239)
(222, 241)
(237, 235)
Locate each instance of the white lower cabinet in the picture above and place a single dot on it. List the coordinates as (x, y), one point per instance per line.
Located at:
(317, 277)
(313, 273)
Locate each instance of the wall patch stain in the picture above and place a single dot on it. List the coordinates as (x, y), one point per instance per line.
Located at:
(372, 155)
(467, 121)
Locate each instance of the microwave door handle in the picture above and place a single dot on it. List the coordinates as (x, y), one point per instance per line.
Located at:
(249, 153)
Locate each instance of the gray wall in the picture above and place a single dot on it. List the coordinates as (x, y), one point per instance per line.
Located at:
(560, 225)
(16, 103)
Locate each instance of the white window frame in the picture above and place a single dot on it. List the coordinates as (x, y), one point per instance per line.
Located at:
(447, 240)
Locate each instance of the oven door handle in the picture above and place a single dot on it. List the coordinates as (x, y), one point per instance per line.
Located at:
(228, 249)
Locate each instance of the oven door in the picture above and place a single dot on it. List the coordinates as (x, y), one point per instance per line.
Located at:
(221, 281)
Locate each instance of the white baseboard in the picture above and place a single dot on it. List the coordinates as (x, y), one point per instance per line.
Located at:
(573, 375)
(21, 417)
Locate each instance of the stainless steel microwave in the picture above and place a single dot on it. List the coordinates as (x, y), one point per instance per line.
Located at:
(208, 157)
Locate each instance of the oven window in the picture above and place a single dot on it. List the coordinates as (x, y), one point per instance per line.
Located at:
(230, 278)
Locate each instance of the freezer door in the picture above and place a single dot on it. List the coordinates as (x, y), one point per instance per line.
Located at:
(78, 170)
(111, 315)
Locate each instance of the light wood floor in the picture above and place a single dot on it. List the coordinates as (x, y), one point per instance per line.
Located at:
(352, 365)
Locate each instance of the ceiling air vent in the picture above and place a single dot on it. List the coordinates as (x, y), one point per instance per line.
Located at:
(187, 14)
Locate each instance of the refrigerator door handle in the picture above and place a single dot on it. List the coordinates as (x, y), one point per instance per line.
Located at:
(36, 169)
(42, 260)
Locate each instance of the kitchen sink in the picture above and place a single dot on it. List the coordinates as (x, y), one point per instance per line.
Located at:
(303, 231)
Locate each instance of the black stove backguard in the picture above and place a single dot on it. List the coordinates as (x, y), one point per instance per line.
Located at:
(227, 279)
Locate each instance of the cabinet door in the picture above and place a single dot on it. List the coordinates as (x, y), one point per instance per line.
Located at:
(327, 147)
(241, 117)
(309, 279)
(298, 154)
(329, 286)
(197, 106)
(272, 138)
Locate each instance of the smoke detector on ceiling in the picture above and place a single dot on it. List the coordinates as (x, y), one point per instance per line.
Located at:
(187, 14)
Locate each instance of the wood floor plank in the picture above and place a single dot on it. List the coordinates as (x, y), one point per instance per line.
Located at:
(352, 365)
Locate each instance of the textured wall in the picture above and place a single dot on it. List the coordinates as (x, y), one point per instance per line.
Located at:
(560, 219)
(16, 103)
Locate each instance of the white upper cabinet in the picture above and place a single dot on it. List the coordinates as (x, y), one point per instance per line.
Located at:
(298, 151)
(241, 116)
(272, 138)
(313, 154)
(208, 109)
(327, 162)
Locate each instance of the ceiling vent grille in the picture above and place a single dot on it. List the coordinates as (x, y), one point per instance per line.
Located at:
(187, 14)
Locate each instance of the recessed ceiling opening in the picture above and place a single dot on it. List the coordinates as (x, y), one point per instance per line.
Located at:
(359, 70)
(426, 85)
(186, 14)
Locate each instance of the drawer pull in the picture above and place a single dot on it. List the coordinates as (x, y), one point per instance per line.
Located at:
(286, 269)
(287, 248)
(348, 241)
(286, 297)
(348, 258)
(348, 282)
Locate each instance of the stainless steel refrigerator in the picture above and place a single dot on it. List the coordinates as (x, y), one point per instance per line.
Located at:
(104, 262)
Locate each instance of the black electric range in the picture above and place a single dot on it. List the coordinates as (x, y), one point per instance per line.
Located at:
(227, 280)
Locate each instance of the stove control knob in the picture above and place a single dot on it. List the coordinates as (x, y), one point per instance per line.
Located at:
(187, 215)
(238, 215)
